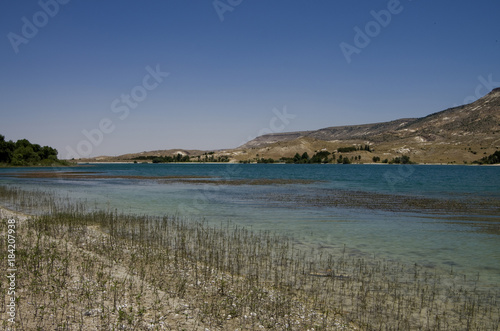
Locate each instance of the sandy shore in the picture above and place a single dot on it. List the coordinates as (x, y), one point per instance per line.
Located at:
(78, 285)
(69, 309)
(84, 269)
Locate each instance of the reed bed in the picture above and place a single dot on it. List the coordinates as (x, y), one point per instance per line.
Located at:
(82, 268)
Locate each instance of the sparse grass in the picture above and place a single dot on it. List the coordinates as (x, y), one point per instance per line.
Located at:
(80, 268)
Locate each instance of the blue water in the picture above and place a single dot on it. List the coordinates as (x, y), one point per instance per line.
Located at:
(468, 242)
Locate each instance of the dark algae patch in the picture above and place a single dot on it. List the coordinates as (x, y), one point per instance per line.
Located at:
(89, 175)
(259, 181)
(188, 179)
(390, 202)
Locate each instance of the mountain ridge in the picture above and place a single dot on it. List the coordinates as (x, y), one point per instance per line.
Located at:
(458, 135)
(376, 131)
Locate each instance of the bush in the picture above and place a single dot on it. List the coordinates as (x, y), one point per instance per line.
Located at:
(347, 149)
(491, 159)
(405, 159)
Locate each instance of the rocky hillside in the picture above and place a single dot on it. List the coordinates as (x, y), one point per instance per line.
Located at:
(457, 135)
(348, 132)
(143, 156)
(460, 134)
(478, 118)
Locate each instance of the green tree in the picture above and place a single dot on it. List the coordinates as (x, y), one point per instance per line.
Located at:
(405, 159)
(491, 159)
(6, 150)
(22, 143)
(346, 149)
(320, 157)
(24, 153)
(25, 156)
(47, 152)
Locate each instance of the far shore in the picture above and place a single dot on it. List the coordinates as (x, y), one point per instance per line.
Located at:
(237, 162)
(84, 164)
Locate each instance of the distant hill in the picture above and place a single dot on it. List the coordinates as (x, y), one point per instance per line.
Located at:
(144, 156)
(348, 132)
(478, 118)
(459, 135)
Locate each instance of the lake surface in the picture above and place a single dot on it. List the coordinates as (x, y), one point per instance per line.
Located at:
(445, 217)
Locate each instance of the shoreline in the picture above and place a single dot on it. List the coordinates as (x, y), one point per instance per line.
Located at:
(259, 279)
(174, 294)
(87, 164)
(257, 283)
(279, 163)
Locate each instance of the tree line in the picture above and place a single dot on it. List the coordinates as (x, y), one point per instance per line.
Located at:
(24, 153)
(327, 157)
(206, 157)
(304, 158)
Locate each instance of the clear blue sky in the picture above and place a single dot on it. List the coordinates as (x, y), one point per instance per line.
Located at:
(230, 67)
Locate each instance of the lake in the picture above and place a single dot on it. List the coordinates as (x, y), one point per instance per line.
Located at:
(439, 216)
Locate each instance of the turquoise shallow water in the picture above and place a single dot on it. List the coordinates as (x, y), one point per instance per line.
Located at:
(466, 239)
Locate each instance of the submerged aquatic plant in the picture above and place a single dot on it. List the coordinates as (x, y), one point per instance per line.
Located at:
(81, 268)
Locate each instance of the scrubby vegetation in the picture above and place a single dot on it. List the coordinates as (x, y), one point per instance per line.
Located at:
(322, 156)
(354, 149)
(343, 160)
(490, 159)
(80, 268)
(318, 157)
(206, 157)
(24, 153)
(263, 160)
(405, 159)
